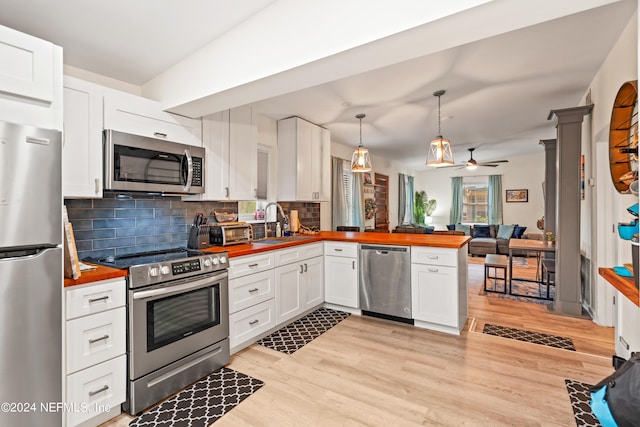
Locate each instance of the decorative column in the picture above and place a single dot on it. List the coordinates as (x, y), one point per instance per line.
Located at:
(567, 226)
(549, 184)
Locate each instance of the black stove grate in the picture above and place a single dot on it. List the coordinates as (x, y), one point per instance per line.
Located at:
(125, 261)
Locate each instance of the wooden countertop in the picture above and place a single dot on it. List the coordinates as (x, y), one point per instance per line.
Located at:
(399, 239)
(100, 273)
(623, 284)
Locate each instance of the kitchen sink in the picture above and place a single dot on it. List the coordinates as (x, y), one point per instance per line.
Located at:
(283, 239)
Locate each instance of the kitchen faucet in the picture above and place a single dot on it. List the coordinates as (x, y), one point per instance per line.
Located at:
(286, 219)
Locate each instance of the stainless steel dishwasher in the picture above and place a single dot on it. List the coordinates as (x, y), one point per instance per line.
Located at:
(385, 281)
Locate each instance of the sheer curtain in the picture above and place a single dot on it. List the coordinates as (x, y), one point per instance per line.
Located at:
(455, 215)
(358, 201)
(339, 213)
(495, 199)
(405, 199)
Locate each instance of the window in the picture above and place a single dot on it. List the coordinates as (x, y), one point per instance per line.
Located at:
(475, 200)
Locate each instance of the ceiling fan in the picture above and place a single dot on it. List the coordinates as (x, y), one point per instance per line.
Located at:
(472, 163)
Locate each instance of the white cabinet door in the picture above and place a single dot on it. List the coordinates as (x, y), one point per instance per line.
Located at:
(341, 281)
(628, 326)
(289, 292)
(125, 112)
(313, 282)
(434, 294)
(82, 144)
(243, 154)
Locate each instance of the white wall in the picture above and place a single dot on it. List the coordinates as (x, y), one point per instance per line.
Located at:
(522, 172)
(99, 79)
(603, 206)
(380, 165)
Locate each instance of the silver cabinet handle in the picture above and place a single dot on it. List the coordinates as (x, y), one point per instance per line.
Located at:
(432, 257)
(253, 265)
(305, 267)
(97, 184)
(353, 265)
(95, 340)
(104, 298)
(226, 192)
(301, 269)
(104, 388)
(337, 250)
(433, 270)
(253, 322)
(159, 135)
(624, 342)
(253, 290)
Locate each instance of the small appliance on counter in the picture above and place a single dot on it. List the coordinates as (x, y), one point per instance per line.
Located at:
(230, 233)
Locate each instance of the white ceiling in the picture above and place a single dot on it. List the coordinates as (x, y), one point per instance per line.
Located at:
(499, 90)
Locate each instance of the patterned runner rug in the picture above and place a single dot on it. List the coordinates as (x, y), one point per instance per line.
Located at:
(299, 333)
(202, 403)
(529, 336)
(580, 397)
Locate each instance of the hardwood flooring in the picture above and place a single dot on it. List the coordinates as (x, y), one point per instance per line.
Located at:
(372, 372)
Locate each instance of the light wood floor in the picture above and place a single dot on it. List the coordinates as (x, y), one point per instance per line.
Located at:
(372, 372)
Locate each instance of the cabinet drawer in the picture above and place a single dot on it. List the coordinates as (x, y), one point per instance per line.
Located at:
(250, 290)
(95, 339)
(247, 324)
(95, 298)
(242, 266)
(99, 389)
(141, 116)
(287, 256)
(341, 249)
(434, 256)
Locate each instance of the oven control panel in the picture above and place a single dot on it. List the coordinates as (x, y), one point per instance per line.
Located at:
(185, 267)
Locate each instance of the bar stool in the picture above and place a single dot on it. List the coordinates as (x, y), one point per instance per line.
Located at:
(548, 268)
(497, 262)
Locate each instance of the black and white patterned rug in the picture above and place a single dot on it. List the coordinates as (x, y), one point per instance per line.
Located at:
(529, 336)
(202, 403)
(304, 330)
(580, 397)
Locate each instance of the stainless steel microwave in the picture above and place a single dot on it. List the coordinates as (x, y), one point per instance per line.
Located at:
(139, 163)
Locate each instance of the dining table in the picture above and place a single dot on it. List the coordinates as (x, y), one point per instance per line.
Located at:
(540, 247)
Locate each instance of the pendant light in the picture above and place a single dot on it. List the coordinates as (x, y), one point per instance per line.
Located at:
(439, 151)
(360, 160)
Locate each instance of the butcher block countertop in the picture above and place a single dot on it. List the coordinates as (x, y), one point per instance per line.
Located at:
(398, 239)
(623, 284)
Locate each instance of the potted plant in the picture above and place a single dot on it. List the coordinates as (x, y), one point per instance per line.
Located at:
(422, 207)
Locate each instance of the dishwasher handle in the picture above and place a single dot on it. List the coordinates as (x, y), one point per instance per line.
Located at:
(384, 250)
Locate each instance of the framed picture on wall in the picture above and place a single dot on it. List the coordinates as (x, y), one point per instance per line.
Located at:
(517, 196)
(367, 178)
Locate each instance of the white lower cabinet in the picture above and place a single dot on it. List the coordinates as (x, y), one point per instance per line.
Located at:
(439, 288)
(341, 274)
(627, 326)
(95, 365)
(245, 326)
(289, 299)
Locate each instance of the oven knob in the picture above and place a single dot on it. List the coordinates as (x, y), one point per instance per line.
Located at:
(223, 260)
(153, 272)
(165, 269)
(215, 261)
(207, 262)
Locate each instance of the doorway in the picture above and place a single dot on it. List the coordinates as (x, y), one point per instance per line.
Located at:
(381, 183)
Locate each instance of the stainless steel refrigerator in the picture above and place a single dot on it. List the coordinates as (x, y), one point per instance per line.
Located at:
(30, 276)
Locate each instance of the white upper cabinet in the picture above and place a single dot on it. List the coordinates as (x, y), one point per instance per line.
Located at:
(304, 161)
(30, 80)
(230, 140)
(141, 116)
(82, 147)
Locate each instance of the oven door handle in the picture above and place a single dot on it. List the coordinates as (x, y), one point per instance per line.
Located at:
(178, 289)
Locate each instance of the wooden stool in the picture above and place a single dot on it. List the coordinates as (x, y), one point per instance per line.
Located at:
(548, 268)
(497, 262)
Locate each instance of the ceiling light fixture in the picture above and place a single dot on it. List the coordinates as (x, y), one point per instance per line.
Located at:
(439, 152)
(360, 161)
(471, 163)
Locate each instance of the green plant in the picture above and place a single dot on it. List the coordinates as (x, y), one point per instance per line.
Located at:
(422, 206)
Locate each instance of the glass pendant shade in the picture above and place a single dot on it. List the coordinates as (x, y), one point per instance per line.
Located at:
(439, 153)
(360, 160)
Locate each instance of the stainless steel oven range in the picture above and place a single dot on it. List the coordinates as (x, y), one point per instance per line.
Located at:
(178, 321)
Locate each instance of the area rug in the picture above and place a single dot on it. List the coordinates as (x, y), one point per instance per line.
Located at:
(529, 336)
(299, 333)
(202, 403)
(580, 397)
(532, 290)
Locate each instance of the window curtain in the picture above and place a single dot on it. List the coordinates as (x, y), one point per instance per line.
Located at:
(455, 215)
(405, 199)
(357, 218)
(495, 199)
(339, 214)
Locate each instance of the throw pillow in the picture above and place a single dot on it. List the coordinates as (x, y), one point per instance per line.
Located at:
(505, 232)
(465, 228)
(518, 232)
(428, 229)
(481, 231)
(451, 227)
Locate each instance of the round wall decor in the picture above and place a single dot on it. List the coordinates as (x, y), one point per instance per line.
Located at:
(623, 137)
